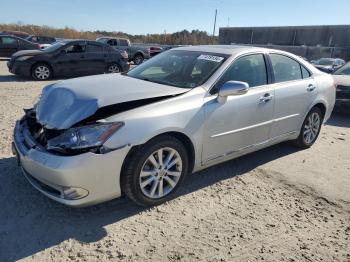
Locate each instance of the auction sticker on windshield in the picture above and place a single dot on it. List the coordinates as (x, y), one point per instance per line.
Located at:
(213, 58)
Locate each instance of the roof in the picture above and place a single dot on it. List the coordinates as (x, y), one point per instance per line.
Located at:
(223, 49)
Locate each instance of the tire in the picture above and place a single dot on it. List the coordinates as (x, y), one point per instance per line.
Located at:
(41, 72)
(114, 68)
(138, 59)
(147, 185)
(308, 136)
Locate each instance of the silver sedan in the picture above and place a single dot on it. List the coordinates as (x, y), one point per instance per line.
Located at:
(89, 139)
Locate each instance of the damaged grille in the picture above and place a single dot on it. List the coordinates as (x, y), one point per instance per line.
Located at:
(40, 134)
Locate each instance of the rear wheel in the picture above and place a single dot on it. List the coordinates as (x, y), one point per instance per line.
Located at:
(155, 171)
(310, 129)
(138, 59)
(41, 71)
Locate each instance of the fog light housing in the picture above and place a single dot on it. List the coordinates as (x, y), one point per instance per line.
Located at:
(74, 193)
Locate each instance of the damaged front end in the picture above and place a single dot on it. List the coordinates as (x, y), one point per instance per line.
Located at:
(71, 141)
(70, 116)
(87, 135)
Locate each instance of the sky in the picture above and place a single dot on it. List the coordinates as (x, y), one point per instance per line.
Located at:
(157, 16)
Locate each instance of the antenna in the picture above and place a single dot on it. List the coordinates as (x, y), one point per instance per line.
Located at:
(216, 12)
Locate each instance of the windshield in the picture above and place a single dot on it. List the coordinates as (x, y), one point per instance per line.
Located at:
(344, 70)
(185, 69)
(325, 61)
(55, 46)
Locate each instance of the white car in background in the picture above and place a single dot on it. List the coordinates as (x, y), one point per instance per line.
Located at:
(89, 139)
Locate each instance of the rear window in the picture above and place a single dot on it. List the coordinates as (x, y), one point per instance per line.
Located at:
(123, 42)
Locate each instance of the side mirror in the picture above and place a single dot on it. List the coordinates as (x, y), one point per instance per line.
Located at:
(63, 52)
(232, 88)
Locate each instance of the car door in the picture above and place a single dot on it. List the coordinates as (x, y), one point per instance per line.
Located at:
(8, 46)
(95, 58)
(243, 121)
(294, 93)
(72, 60)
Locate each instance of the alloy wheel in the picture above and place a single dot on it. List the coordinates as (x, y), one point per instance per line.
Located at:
(160, 173)
(311, 128)
(42, 72)
(113, 69)
(138, 60)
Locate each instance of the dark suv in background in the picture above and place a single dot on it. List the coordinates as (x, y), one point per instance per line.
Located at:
(11, 44)
(68, 58)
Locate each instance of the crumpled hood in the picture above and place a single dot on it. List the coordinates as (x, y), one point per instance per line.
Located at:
(70, 101)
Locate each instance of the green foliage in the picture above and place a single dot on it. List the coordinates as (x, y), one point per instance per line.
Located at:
(185, 37)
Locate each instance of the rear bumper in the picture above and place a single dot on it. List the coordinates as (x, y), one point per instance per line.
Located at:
(77, 181)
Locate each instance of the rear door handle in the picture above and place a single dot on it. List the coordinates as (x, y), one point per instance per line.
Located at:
(266, 98)
(310, 88)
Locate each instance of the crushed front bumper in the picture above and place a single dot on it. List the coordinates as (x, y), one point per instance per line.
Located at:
(78, 180)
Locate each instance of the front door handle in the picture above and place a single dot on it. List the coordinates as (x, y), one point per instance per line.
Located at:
(266, 98)
(310, 88)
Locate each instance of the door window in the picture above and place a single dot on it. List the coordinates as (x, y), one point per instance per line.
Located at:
(8, 40)
(250, 69)
(123, 42)
(76, 48)
(91, 48)
(285, 68)
(112, 42)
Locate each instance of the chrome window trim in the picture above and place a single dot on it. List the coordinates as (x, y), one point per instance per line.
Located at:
(233, 61)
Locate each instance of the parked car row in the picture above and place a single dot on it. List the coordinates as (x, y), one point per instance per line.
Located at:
(68, 58)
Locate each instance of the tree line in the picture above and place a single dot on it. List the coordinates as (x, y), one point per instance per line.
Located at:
(185, 37)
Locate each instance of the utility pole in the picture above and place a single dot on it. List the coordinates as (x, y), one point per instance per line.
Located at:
(216, 12)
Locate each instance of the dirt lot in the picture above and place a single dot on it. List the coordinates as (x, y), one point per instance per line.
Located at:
(279, 204)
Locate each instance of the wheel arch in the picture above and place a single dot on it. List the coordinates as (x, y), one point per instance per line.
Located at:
(322, 107)
(185, 140)
(138, 53)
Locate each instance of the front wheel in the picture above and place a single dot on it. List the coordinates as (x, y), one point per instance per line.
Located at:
(155, 171)
(41, 71)
(310, 129)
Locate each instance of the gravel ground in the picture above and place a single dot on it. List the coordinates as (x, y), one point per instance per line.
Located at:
(279, 204)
